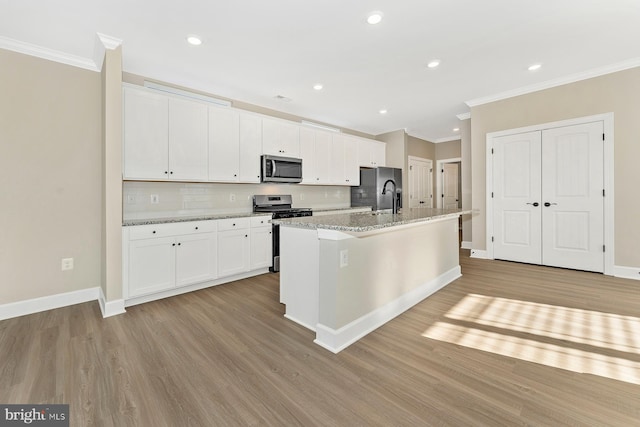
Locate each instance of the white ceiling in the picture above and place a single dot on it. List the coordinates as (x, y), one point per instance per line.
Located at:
(254, 50)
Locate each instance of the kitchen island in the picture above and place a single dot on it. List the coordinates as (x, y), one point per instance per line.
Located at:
(345, 275)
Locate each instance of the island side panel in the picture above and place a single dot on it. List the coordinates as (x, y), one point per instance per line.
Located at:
(299, 275)
(384, 271)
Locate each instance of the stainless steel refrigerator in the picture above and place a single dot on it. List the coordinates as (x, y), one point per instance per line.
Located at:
(369, 193)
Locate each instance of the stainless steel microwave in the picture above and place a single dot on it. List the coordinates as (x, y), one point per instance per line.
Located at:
(281, 169)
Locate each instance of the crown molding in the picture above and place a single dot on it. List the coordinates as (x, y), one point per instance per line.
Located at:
(613, 68)
(447, 139)
(48, 54)
(464, 116)
(102, 44)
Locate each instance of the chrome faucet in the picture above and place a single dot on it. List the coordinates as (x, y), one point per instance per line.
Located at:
(394, 206)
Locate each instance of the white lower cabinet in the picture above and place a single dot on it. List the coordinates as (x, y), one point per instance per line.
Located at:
(152, 266)
(162, 258)
(261, 247)
(196, 258)
(233, 252)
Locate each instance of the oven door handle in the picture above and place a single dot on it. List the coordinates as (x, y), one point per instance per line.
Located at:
(273, 168)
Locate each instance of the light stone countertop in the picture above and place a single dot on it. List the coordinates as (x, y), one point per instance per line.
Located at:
(340, 209)
(369, 221)
(167, 220)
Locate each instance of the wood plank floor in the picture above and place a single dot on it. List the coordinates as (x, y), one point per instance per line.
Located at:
(226, 356)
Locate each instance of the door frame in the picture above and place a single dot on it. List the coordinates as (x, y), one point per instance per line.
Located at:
(420, 159)
(608, 164)
(439, 165)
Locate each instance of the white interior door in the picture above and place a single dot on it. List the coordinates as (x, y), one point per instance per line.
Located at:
(572, 197)
(548, 204)
(420, 183)
(517, 223)
(450, 196)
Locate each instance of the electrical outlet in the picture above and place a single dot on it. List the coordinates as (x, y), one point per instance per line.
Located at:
(232, 197)
(155, 199)
(301, 196)
(67, 264)
(344, 258)
(131, 199)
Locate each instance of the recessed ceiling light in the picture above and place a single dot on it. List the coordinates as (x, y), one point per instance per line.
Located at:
(383, 111)
(434, 63)
(534, 67)
(194, 40)
(317, 86)
(456, 129)
(374, 17)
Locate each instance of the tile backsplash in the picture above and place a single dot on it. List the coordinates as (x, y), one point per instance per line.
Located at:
(143, 199)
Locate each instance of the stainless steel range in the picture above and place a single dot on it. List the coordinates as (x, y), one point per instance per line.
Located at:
(280, 207)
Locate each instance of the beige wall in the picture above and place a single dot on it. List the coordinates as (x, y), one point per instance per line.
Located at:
(618, 93)
(420, 148)
(50, 177)
(448, 150)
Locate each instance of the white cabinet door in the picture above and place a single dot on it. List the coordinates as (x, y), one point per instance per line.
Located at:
(224, 145)
(250, 147)
(151, 266)
(261, 247)
(344, 168)
(351, 165)
(196, 258)
(315, 150)
(187, 140)
(308, 155)
(146, 135)
(378, 153)
(233, 252)
(280, 138)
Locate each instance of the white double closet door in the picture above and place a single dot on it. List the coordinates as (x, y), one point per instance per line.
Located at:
(548, 197)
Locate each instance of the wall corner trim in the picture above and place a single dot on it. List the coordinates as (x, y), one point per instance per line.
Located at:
(48, 54)
(102, 44)
(110, 308)
(36, 305)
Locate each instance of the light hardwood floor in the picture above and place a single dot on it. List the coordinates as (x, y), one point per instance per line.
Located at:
(226, 356)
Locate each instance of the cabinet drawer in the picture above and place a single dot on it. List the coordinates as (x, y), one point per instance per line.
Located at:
(138, 232)
(233, 223)
(260, 221)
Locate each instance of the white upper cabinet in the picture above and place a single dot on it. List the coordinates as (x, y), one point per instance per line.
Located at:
(250, 147)
(234, 146)
(146, 135)
(371, 154)
(315, 151)
(187, 140)
(224, 144)
(173, 138)
(164, 138)
(280, 138)
(345, 169)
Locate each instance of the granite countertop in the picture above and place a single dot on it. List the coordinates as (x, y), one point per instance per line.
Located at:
(340, 209)
(365, 221)
(166, 220)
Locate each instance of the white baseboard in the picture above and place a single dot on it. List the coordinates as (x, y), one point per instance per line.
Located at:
(465, 245)
(337, 340)
(110, 308)
(626, 272)
(480, 254)
(36, 305)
